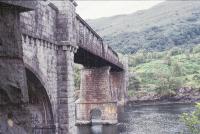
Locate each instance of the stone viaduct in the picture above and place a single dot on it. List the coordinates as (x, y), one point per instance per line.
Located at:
(39, 43)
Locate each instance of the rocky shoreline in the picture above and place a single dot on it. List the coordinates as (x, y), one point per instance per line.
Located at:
(182, 95)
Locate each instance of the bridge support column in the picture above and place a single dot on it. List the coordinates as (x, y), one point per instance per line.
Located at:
(96, 96)
(66, 102)
(118, 88)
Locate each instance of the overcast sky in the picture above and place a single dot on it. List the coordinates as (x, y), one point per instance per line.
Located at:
(97, 9)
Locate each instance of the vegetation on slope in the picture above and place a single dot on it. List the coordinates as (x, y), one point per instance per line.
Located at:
(164, 72)
(192, 120)
(162, 46)
(169, 24)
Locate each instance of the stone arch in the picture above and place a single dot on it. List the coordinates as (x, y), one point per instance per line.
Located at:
(39, 103)
(95, 114)
(36, 71)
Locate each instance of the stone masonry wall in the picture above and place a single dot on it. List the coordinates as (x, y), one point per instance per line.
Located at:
(66, 102)
(12, 78)
(40, 57)
(95, 85)
(108, 112)
(116, 84)
(13, 86)
(44, 31)
(66, 21)
(41, 22)
(40, 48)
(96, 93)
(66, 37)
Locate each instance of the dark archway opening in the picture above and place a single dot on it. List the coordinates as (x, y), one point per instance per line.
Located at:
(95, 114)
(39, 106)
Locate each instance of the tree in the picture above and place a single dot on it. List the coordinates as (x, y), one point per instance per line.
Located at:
(134, 83)
(175, 51)
(187, 55)
(168, 85)
(176, 69)
(167, 60)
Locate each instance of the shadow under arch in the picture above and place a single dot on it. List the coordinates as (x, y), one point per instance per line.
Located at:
(95, 114)
(39, 103)
(38, 74)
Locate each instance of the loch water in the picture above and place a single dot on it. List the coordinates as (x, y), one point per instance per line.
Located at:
(145, 119)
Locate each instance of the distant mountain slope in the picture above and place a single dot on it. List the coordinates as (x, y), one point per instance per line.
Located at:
(169, 24)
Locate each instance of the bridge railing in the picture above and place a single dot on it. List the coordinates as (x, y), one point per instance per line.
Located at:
(88, 39)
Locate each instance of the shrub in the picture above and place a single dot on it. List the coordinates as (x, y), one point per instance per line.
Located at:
(192, 121)
(176, 69)
(134, 83)
(168, 85)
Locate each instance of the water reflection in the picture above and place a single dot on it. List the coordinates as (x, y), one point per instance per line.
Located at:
(160, 119)
(98, 129)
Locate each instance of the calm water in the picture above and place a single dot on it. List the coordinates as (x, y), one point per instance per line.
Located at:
(160, 119)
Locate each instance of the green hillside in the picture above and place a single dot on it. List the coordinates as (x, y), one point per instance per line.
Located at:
(169, 24)
(164, 72)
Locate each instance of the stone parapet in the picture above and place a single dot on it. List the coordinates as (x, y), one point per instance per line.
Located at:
(41, 22)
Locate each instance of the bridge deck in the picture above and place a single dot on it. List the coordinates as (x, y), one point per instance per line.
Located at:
(42, 24)
(89, 41)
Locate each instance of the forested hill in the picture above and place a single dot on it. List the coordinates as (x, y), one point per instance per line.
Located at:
(164, 26)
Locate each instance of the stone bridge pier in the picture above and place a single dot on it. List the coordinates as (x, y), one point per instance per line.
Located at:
(66, 105)
(102, 93)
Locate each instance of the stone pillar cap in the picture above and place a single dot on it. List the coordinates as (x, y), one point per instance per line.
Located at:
(67, 43)
(68, 46)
